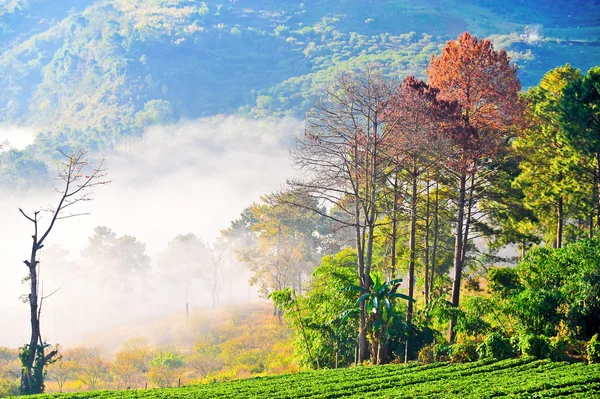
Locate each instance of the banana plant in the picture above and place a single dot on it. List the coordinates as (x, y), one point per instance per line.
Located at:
(379, 302)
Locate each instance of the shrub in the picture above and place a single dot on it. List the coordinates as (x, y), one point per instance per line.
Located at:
(503, 279)
(496, 346)
(593, 349)
(537, 346)
(426, 354)
(463, 353)
(441, 352)
(559, 347)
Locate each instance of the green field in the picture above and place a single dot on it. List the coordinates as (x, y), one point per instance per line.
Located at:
(515, 378)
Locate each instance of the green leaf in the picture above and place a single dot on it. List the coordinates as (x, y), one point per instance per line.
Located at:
(353, 288)
(399, 295)
(362, 298)
(395, 281)
(346, 314)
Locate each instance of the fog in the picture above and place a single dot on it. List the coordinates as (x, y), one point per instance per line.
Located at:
(17, 137)
(195, 177)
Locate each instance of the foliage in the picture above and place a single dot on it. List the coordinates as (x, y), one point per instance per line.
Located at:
(503, 280)
(593, 349)
(513, 377)
(537, 346)
(380, 305)
(38, 369)
(319, 310)
(551, 167)
(426, 354)
(561, 285)
(463, 352)
(495, 346)
(165, 368)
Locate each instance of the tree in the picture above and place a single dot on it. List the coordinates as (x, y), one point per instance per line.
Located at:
(120, 261)
(415, 122)
(64, 369)
(485, 85)
(551, 168)
(580, 105)
(164, 368)
(215, 271)
(185, 258)
(92, 367)
(285, 247)
(77, 175)
(131, 361)
(205, 357)
(321, 340)
(343, 153)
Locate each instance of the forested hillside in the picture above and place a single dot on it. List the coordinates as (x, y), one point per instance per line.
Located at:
(92, 72)
(119, 65)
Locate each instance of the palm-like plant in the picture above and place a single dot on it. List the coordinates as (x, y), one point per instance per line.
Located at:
(379, 302)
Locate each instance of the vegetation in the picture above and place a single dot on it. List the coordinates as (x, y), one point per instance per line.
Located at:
(388, 246)
(508, 378)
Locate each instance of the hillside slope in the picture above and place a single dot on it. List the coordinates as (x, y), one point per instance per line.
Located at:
(119, 65)
(521, 378)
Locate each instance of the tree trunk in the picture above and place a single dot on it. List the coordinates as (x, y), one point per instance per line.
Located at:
(597, 190)
(435, 236)
(458, 249)
(412, 246)
(427, 243)
(559, 222)
(467, 220)
(363, 346)
(394, 226)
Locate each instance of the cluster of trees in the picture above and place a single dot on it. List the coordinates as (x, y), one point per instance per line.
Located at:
(215, 345)
(406, 166)
(401, 181)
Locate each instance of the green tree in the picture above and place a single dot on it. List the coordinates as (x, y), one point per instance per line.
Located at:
(580, 105)
(551, 169)
(164, 368)
(321, 338)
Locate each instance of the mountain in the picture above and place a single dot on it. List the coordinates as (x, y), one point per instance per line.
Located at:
(90, 72)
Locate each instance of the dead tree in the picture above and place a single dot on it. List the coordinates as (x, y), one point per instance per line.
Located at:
(77, 176)
(344, 157)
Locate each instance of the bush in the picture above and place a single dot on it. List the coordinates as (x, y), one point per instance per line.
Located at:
(426, 354)
(559, 348)
(593, 349)
(441, 352)
(503, 280)
(496, 346)
(537, 346)
(463, 353)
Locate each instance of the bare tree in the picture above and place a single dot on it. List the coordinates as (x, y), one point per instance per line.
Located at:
(344, 156)
(216, 270)
(77, 176)
(415, 132)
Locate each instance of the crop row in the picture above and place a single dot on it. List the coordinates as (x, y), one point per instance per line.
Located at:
(520, 378)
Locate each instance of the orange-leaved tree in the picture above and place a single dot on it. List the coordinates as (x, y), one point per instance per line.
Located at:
(486, 87)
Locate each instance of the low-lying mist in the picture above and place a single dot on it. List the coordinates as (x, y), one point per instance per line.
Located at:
(193, 177)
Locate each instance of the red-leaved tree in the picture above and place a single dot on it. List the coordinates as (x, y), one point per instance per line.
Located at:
(485, 85)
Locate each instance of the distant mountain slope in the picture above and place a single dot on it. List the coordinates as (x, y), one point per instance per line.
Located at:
(115, 66)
